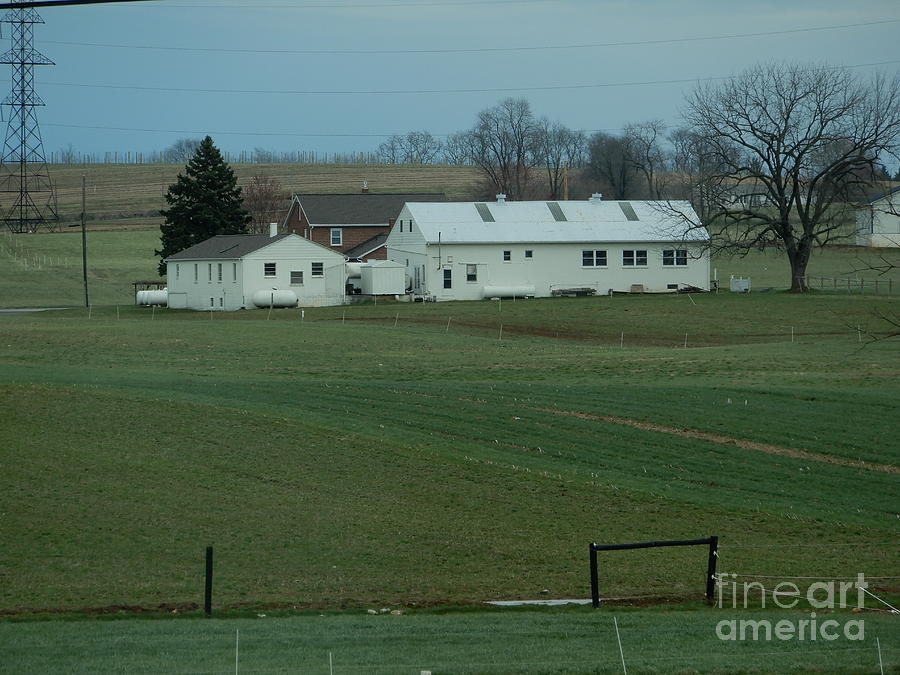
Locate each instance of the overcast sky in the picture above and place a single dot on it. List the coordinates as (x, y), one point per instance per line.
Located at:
(341, 76)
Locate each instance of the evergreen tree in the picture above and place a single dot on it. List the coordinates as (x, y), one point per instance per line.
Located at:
(203, 202)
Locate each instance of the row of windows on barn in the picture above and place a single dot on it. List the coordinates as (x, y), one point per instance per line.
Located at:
(630, 257)
(270, 271)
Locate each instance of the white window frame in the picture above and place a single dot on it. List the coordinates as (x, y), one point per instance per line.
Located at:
(317, 270)
(594, 255)
(339, 239)
(637, 257)
(507, 255)
(266, 273)
(471, 273)
(674, 257)
(295, 280)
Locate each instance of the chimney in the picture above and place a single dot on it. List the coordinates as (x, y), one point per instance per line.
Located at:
(596, 198)
(273, 229)
(501, 198)
(365, 188)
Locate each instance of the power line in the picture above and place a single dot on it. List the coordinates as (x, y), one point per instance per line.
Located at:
(60, 3)
(397, 92)
(479, 50)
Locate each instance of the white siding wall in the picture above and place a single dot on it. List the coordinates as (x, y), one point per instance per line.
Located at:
(556, 266)
(407, 247)
(298, 255)
(195, 284)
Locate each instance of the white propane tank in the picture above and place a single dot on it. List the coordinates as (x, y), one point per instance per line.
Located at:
(275, 298)
(354, 270)
(148, 298)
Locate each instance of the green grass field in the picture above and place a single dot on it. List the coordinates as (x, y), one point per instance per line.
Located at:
(406, 456)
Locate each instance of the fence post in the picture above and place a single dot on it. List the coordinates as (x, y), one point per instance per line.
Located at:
(595, 586)
(711, 567)
(207, 596)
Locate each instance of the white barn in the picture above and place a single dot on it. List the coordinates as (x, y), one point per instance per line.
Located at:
(878, 224)
(472, 250)
(244, 271)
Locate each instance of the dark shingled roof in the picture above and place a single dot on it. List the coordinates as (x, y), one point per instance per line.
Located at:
(367, 246)
(229, 246)
(359, 208)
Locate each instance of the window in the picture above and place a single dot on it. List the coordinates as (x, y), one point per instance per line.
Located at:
(401, 224)
(212, 302)
(209, 271)
(221, 302)
(634, 258)
(219, 271)
(337, 236)
(674, 257)
(296, 277)
(529, 254)
(268, 269)
(593, 258)
(234, 271)
(195, 272)
(471, 272)
(448, 278)
(318, 269)
(507, 256)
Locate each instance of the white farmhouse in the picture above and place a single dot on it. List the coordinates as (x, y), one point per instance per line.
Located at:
(472, 250)
(878, 223)
(243, 271)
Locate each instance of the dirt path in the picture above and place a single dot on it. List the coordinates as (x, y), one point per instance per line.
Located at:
(767, 448)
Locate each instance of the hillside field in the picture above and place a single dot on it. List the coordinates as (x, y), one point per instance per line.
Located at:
(414, 456)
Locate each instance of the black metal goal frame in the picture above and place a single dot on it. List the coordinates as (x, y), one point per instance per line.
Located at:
(712, 542)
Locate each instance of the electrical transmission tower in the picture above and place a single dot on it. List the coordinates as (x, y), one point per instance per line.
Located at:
(26, 193)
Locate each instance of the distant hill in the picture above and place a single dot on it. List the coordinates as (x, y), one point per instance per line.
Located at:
(130, 196)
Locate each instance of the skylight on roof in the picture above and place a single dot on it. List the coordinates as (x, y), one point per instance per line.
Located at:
(628, 210)
(557, 212)
(485, 213)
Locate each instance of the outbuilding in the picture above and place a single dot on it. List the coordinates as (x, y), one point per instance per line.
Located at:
(243, 271)
(476, 250)
(878, 223)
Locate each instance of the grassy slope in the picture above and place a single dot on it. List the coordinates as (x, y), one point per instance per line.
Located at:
(417, 465)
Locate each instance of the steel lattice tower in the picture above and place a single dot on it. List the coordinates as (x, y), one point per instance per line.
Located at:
(24, 174)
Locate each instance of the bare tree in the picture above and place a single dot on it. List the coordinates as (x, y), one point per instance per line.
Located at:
(643, 148)
(181, 151)
(609, 163)
(457, 148)
(502, 145)
(264, 201)
(417, 147)
(556, 148)
(807, 137)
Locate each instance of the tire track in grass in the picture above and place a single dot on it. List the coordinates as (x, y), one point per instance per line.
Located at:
(767, 448)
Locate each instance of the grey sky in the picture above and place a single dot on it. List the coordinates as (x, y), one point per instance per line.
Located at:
(340, 76)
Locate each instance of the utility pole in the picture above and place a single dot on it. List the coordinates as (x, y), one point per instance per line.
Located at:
(84, 244)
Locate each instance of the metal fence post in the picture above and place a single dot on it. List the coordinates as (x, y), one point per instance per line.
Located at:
(595, 586)
(711, 568)
(207, 596)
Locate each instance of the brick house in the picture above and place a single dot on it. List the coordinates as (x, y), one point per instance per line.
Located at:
(355, 225)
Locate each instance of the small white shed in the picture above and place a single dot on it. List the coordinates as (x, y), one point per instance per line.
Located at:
(878, 223)
(246, 271)
(383, 277)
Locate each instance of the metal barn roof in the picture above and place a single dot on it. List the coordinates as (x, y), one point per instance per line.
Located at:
(557, 222)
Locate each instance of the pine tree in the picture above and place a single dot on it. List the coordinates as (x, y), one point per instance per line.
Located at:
(203, 202)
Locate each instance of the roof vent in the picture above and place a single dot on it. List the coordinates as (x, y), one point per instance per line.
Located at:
(273, 229)
(596, 197)
(501, 198)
